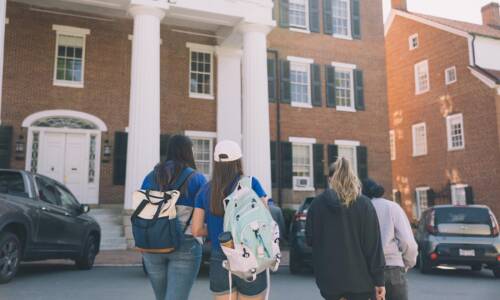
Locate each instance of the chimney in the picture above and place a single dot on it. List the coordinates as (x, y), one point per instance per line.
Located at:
(399, 4)
(491, 14)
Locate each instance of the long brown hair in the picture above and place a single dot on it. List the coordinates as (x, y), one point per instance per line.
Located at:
(344, 182)
(224, 174)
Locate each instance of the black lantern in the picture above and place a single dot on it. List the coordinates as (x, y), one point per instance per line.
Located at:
(20, 147)
(106, 151)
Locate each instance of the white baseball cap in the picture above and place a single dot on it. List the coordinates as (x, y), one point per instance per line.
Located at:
(226, 151)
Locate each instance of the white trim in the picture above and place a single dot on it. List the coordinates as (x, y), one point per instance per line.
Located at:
(449, 119)
(301, 140)
(413, 127)
(201, 96)
(64, 113)
(7, 21)
(345, 108)
(295, 29)
(453, 189)
(348, 36)
(301, 105)
(422, 188)
(203, 49)
(347, 143)
(201, 134)
(70, 30)
(342, 65)
(486, 80)
(306, 18)
(410, 41)
(300, 60)
(76, 32)
(296, 63)
(417, 199)
(418, 90)
(470, 40)
(394, 192)
(447, 78)
(392, 143)
(343, 37)
(131, 37)
(200, 47)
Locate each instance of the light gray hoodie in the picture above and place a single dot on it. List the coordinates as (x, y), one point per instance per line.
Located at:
(400, 248)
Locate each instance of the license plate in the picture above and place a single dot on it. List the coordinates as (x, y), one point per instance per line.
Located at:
(463, 252)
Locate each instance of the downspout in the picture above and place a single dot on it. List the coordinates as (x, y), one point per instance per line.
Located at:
(473, 45)
(278, 130)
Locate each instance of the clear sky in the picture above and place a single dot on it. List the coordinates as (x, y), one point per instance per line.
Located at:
(463, 10)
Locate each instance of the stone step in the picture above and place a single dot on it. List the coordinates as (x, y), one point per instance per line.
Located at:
(117, 243)
(109, 220)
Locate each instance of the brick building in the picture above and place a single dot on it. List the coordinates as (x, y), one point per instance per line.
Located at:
(444, 108)
(93, 89)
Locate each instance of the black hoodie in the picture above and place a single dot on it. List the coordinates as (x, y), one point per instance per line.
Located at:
(347, 251)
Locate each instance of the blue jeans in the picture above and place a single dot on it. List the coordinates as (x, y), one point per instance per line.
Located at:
(173, 274)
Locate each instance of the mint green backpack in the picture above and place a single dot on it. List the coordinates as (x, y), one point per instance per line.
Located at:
(255, 233)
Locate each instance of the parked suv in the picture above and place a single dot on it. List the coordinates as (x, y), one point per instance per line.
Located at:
(459, 235)
(300, 252)
(41, 219)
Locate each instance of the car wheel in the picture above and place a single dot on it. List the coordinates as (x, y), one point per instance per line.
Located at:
(10, 255)
(86, 261)
(424, 264)
(295, 262)
(476, 268)
(496, 272)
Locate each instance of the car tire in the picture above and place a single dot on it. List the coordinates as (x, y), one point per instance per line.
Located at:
(295, 262)
(496, 272)
(476, 268)
(424, 264)
(10, 254)
(86, 261)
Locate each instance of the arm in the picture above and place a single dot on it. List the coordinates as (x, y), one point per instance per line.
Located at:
(372, 245)
(198, 225)
(406, 240)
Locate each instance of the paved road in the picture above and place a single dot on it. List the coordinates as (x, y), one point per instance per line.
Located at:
(41, 282)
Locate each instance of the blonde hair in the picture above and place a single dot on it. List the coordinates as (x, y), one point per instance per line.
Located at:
(344, 181)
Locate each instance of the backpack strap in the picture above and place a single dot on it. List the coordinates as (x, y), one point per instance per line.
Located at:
(183, 178)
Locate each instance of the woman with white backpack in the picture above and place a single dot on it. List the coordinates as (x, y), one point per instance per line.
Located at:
(210, 210)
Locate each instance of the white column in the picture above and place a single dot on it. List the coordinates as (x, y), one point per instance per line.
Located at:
(3, 10)
(229, 94)
(143, 150)
(255, 113)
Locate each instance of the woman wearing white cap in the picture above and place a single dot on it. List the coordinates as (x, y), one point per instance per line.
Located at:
(209, 210)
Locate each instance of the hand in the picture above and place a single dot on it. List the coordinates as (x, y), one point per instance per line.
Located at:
(380, 292)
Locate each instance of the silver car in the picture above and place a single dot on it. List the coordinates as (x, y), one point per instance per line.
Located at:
(459, 235)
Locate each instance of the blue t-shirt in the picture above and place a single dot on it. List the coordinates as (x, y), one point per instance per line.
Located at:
(215, 224)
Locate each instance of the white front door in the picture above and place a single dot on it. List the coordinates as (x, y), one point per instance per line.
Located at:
(64, 157)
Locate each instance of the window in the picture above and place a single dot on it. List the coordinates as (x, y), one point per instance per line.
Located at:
(203, 155)
(47, 191)
(67, 199)
(413, 41)
(302, 157)
(341, 18)
(392, 141)
(200, 71)
(70, 56)
(300, 89)
(349, 153)
(298, 13)
(458, 195)
(422, 77)
(12, 183)
(450, 75)
(419, 139)
(455, 128)
(344, 90)
(421, 200)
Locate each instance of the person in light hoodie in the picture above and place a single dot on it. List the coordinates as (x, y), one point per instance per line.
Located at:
(398, 242)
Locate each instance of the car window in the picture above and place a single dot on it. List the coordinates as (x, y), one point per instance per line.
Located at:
(12, 183)
(67, 199)
(463, 215)
(48, 191)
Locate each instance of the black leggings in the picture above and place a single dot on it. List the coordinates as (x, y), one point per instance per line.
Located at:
(348, 296)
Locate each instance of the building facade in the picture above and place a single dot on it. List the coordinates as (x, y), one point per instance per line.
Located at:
(92, 90)
(444, 109)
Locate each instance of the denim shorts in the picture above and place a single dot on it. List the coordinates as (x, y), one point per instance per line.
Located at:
(219, 279)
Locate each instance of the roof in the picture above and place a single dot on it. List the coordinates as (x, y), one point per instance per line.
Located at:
(492, 74)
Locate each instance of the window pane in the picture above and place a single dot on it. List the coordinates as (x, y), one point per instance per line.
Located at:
(301, 160)
(61, 51)
(70, 52)
(343, 88)
(341, 17)
(78, 52)
(200, 70)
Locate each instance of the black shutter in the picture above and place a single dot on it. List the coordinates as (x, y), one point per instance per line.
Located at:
(316, 94)
(319, 166)
(274, 165)
(362, 156)
(431, 198)
(120, 158)
(469, 195)
(271, 79)
(397, 197)
(330, 86)
(164, 139)
(333, 154)
(5, 146)
(359, 95)
(314, 15)
(285, 81)
(355, 19)
(286, 165)
(327, 17)
(284, 14)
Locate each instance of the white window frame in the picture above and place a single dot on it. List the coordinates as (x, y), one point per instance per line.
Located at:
(449, 120)
(304, 142)
(418, 88)
(353, 145)
(305, 29)
(411, 38)
(70, 31)
(348, 36)
(392, 143)
(205, 135)
(454, 187)
(193, 47)
(447, 77)
(419, 210)
(302, 61)
(346, 67)
(414, 139)
(394, 193)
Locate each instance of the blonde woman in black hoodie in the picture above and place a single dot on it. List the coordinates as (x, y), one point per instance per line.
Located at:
(343, 230)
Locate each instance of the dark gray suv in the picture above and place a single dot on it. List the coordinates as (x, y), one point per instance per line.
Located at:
(459, 235)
